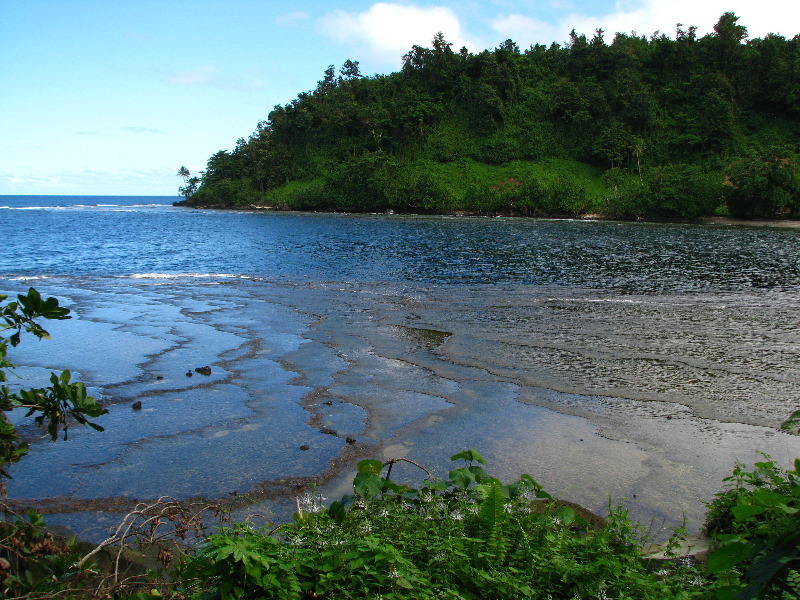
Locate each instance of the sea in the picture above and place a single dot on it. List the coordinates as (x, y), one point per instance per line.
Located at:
(616, 363)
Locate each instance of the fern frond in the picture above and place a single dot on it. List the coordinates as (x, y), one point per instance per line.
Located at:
(492, 516)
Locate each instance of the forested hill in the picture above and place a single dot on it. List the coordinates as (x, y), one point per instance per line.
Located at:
(636, 127)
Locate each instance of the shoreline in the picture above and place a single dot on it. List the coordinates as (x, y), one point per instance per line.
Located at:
(722, 221)
(779, 223)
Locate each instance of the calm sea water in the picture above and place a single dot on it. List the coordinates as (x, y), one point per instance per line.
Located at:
(112, 236)
(606, 359)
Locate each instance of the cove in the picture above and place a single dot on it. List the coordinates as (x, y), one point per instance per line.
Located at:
(625, 361)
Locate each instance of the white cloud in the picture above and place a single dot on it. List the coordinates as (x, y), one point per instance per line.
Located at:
(140, 129)
(93, 181)
(138, 36)
(215, 77)
(521, 29)
(648, 16)
(389, 30)
(292, 19)
(205, 75)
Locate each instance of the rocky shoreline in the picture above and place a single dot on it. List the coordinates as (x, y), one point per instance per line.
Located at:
(779, 223)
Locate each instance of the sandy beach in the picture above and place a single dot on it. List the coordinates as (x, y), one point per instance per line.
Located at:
(786, 223)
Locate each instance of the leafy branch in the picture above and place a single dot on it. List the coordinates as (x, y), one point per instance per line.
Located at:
(54, 407)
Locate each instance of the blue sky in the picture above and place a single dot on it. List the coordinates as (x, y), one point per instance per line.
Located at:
(111, 97)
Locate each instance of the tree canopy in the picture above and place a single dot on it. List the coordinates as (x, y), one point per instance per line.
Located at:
(638, 126)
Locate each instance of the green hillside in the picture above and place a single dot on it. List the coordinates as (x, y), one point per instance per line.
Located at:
(632, 127)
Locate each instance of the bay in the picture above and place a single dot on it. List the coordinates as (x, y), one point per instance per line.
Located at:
(626, 361)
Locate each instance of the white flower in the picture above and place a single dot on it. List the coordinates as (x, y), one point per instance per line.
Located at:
(456, 515)
(601, 593)
(295, 540)
(311, 502)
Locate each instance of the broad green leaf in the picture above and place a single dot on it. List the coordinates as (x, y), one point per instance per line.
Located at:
(792, 425)
(743, 512)
(370, 467)
(462, 477)
(337, 511)
(403, 583)
(480, 473)
(565, 515)
(367, 486)
(768, 497)
(470, 455)
(729, 554)
(391, 486)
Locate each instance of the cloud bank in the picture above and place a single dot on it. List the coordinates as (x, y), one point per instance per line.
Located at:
(214, 76)
(389, 30)
(646, 17)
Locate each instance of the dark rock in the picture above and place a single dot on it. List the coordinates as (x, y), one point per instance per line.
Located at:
(137, 405)
(189, 373)
(328, 431)
(204, 370)
(304, 447)
(350, 440)
(160, 377)
(328, 403)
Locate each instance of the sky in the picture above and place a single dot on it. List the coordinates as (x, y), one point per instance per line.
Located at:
(112, 97)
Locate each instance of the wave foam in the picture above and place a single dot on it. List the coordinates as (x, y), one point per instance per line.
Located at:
(183, 276)
(28, 277)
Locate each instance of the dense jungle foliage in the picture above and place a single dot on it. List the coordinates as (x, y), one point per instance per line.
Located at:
(639, 127)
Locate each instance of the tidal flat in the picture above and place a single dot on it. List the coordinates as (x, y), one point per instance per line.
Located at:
(646, 400)
(613, 362)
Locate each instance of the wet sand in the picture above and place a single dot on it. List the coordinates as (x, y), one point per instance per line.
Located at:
(647, 400)
(782, 223)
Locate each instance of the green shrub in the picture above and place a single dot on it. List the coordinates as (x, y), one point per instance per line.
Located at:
(466, 537)
(32, 561)
(755, 527)
(669, 192)
(230, 192)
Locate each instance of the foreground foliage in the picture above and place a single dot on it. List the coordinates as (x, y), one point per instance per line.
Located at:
(31, 559)
(756, 528)
(465, 537)
(53, 407)
(468, 536)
